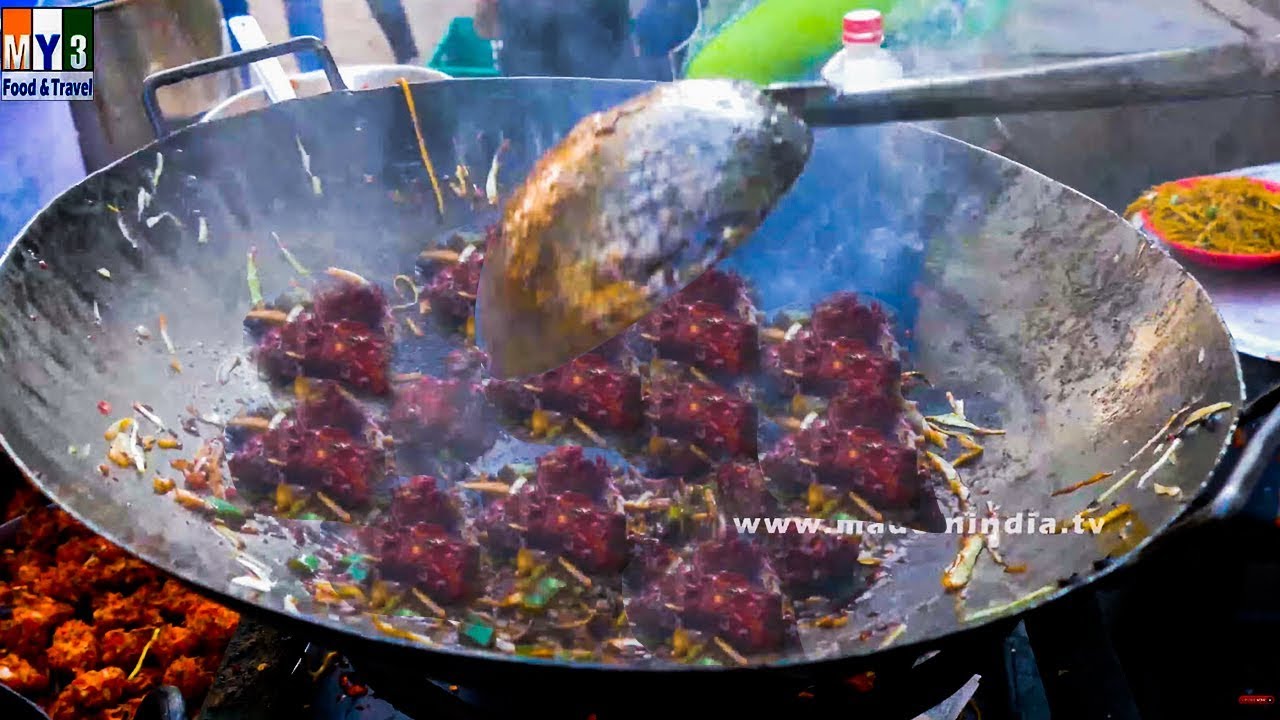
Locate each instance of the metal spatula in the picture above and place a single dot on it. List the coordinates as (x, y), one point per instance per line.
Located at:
(638, 201)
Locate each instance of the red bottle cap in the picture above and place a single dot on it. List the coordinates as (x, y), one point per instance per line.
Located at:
(864, 27)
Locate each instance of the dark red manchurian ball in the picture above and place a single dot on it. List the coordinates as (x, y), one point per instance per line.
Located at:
(343, 300)
(815, 563)
(604, 397)
(864, 402)
(861, 459)
(426, 556)
(743, 489)
(441, 414)
(726, 290)
(719, 423)
(345, 350)
(570, 523)
(844, 316)
(324, 458)
(823, 367)
(733, 554)
(452, 291)
(707, 336)
(567, 469)
(325, 404)
(421, 500)
(728, 605)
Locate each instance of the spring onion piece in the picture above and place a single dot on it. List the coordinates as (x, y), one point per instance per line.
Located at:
(953, 478)
(422, 146)
(893, 635)
(478, 632)
(143, 656)
(297, 266)
(543, 592)
(960, 572)
(1202, 415)
(1166, 490)
(952, 420)
(224, 509)
(105, 273)
(428, 603)
(573, 570)
(255, 285)
(1094, 479)
(389, 629)
(491, 182)
(202, 230)
(305, 564)
(996, 610)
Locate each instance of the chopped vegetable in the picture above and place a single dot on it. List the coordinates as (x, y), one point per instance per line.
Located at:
(543, 592)
(1202, 415)
(478, 632)
(297, 266)
(953, 420)
(1092, 480)
(225, 510)
(893, 635)
(422, 146)
(958, 574)
(105, 273)
(997, 610)
(255, 285)
(1166, 490)
(305, 564)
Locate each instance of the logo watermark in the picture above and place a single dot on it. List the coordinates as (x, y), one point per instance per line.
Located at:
(46, 53)
(1031, 523)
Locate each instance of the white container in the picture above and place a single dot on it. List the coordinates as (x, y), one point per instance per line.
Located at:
(863, 63)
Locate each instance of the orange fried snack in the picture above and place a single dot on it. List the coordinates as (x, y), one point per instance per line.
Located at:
(190, 675)
(212, 622)
(114, 610)
(74, 648)
(27, 632)
(22, 675)
(122, 648)
(94, 690)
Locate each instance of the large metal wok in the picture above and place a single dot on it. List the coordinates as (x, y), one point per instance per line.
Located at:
(1052, 317)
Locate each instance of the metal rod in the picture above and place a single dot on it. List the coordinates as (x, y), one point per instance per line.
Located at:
(1251, 68)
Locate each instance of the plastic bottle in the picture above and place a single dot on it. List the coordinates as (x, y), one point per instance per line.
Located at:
(863, 63)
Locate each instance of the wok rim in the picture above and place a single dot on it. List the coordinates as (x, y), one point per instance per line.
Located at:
(347, 634)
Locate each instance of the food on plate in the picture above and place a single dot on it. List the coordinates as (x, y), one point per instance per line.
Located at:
(1220, 214)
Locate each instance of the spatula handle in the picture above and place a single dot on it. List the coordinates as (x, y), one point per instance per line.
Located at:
(1251, 68)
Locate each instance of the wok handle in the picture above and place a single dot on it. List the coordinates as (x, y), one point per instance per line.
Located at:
(1249, 68)
(1263, 447)
(231, 62)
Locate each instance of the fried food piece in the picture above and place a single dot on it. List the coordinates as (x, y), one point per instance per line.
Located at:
(718, 423)
(79, 550)
(706, 336)
(567, 469)
(843, 315)
(441, 414)
(123, 711)
(90, 691)
(32, 622)
(115, 610)
(74, 648)
(147, 679)
(446, 568)
(823, 564)
(122, 648)
(452, 290)
(813, 365)
(212, 623)
(861, 459)
(420, 500)
(743, 489)
(176, 599)
(191, 676)
(360, 302)
(326, 458)
(22, 676)
(173, 642)
(347, 351)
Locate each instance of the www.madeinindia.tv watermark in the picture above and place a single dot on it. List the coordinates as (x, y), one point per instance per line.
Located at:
(1030, 523)
(46, 53)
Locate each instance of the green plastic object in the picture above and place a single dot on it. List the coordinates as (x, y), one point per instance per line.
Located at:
(766, 41)
(462, 53)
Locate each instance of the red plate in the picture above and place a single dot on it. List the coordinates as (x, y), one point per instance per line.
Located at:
(1210, 258)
